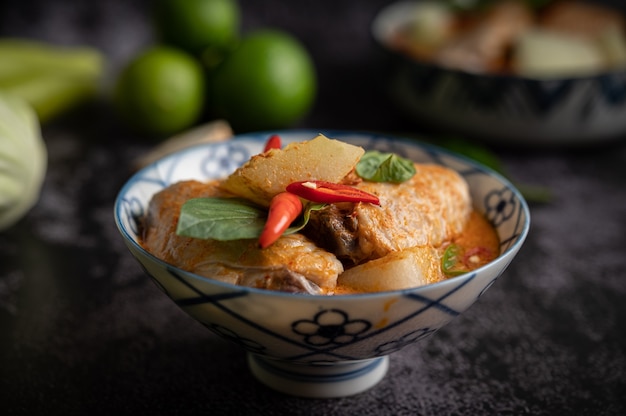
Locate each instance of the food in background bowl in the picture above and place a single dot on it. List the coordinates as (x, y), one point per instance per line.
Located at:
(340, 221)
(320, 346)
(562, 38)
(559, 108)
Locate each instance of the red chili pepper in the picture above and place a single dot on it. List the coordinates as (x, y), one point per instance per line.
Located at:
(273, 142)
(328, 192)
(284, 209)
(476, 256)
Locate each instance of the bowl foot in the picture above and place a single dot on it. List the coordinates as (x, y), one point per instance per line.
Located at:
(318, 381)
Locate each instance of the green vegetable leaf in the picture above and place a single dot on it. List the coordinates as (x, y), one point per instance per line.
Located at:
(532, 193)
(23, 159)
(227, 219)
(473, 151)
(220, 219)
(51, 79)
(450, 259)
(479, 5)
(467, 5)
(376, 166)
(303, 219)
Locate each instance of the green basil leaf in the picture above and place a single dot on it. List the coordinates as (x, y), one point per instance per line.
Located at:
(303, 219)
(227, 219)
(376, 166)
(220, 219)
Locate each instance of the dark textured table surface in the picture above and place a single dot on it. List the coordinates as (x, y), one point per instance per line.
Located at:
(84, 331)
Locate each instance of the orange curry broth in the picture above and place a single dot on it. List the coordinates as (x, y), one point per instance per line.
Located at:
(479, 244)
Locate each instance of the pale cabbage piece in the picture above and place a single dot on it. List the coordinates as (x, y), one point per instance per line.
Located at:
(546, 54)
(431, 24)
(416, 266)
(269, 173)
(23, 159)
(613, 44)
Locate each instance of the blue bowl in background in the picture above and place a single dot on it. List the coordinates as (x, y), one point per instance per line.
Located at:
(501, 108)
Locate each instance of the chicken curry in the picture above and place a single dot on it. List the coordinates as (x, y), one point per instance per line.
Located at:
(322, 231)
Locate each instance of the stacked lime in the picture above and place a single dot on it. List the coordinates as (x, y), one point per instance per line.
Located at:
(267, 82)
(161, 91)
(203, 67)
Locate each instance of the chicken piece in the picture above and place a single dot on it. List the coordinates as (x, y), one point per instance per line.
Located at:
(581, 18)
(484, 46)
(292, 264)
(430, 208)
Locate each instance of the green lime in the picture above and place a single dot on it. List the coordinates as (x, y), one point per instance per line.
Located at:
(267, 82)
(161, 91)
(202, 27)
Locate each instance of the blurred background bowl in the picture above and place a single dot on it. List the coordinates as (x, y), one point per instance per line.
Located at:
(319, 346)
(501, 108)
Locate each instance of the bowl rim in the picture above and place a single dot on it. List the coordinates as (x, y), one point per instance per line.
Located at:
(260, 136)
(382, 18)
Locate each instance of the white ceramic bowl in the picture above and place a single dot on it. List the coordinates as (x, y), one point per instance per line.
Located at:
(320, 346)
(503, 109)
